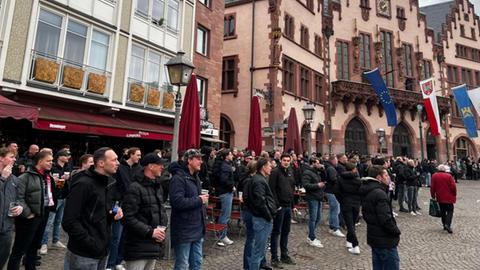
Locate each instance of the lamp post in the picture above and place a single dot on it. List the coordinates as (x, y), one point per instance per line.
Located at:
(447, 118)
(419, 109)
(327, 33)
(180, 70)
(308, 111)
(381, 139)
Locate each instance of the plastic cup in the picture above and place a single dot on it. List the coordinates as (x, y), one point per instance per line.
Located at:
(61, 183)
(240, 195)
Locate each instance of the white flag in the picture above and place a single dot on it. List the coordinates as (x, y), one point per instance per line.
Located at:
(474, 96)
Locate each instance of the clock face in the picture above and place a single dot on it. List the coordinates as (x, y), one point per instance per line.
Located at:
(383, 7)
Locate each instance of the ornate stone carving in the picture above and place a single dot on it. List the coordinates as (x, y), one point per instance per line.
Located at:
(356, 54)
(419, 59)
(400, 63)
(401, 24)
(378, 53)
(365, 13)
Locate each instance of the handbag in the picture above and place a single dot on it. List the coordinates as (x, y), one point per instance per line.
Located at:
(434, 209)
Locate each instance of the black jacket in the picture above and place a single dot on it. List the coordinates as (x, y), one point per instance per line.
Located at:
(331, 177)
(282, 185)
(348, 189)
(143, 212)
(311, 178)
(125, 175)
(260, 201)
(382, 230)
(410, 176)
(31, 192)
(187, 218)
(398, 168)
(225, 178)
(340, 168)
(56, 168)
(87, 218)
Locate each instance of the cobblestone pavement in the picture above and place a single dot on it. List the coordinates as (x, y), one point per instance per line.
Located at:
(423, 245)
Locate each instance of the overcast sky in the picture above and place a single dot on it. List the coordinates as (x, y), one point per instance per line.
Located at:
(431, 2)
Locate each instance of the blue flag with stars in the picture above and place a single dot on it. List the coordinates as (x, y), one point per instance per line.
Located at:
(376, 80)
(464, 106)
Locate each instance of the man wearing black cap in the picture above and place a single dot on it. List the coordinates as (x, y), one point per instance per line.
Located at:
(145, 216)
(187, 219)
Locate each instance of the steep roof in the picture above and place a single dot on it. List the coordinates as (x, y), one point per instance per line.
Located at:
(436, 15)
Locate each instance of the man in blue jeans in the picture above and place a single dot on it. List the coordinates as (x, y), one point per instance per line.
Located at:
(312, 182)
(282, 184)
(333, 205)
(187, 218)
(383, 234)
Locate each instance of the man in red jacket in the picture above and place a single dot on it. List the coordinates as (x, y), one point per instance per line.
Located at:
(444, 190)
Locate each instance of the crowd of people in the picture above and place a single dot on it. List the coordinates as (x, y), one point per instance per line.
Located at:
(113, 207)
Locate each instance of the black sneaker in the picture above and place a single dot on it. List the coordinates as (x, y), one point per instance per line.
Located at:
(288, 260)
(276, 264)
(403, 210)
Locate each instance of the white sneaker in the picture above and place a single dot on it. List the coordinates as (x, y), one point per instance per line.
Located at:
(358, 224)
(226, 241)
(337, 233)
(58, 245)
(314, 243)
(220, 243)
(355, 250)
(120, 267)
(293, 221)
(349, 245)
(394, 214)
(44, 250)
(418, 213)
(413, 213)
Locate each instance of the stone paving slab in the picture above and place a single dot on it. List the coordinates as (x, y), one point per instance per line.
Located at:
(423, 244)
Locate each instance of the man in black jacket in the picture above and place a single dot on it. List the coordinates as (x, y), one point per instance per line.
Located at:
(145, 217)
(282, 184)
(312, 182)
(383, 234)
(334, 206)
(260, 203)
(398, 168)
(89, 213)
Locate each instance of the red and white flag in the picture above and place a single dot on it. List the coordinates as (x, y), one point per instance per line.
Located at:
(431, 106)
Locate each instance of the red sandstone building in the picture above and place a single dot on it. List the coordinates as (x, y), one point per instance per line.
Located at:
(287, 53)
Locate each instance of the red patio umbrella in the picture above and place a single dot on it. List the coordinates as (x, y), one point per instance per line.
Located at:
(255, 127)
(293, 135)
(189, 133)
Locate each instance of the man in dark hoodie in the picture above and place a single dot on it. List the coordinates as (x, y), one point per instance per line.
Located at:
(187, 218)
(90, 212)
(383, 234)
(348, 194)
(282, 184)
(125, 175)
(334, 206)
(312, 182)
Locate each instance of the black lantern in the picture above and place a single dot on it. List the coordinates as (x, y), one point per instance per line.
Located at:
(180, 69)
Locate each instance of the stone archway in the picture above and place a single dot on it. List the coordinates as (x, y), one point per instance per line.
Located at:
(356, 137)
(431, 143)
(463, 147)
(401, 142)
(227, 130)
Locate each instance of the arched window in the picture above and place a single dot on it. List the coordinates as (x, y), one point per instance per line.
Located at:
(226, 131)
(401, 141)
(318, 139)
(356, 137)
(431, 145)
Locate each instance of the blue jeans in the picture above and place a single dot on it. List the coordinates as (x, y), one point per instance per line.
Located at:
(315, 214)
(262, 229)
(76, 262)
(385, 259)
(428, 179)
(226, 201)
(281, 227)
(334, 208)
(247, 249)
(55, 220)
(188, 255)
(116, 245)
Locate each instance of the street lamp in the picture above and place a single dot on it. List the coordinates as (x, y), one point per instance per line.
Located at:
(327, 31)
(381, 139)
(447, 118)
(180, 70)
(308, 111)
(419, 109)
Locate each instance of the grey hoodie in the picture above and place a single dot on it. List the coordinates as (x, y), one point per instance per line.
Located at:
(8, 194)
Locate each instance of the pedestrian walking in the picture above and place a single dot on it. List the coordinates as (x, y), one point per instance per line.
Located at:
(9, 206)
(401, 189)
(383, 235)
(334, 206)
(36, 196)
(411, 178)
(314, 187)
(444, 190)
(260, 202)
(187, 218)
(145, 217)
(282, 185)
(89, 213)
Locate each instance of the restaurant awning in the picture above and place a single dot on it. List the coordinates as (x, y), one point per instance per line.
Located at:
(57, 119)
(17, 111)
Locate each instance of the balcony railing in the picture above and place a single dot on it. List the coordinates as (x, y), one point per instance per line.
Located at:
(362, 93)
(150, 95)
(60, 74)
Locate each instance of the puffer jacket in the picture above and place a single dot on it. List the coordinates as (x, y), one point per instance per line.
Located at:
(311, 178)
(87, 218)
(187, 218)
(382, 230)
(226, 180)
(31, 192)
(8, 194)
(348, 189)
(331, 177)
(143, 212)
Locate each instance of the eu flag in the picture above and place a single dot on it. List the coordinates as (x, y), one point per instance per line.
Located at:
(381, 90)
(464, 105)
